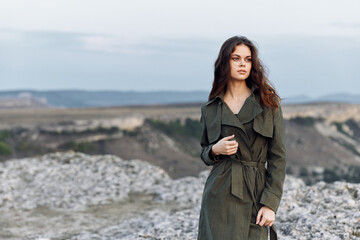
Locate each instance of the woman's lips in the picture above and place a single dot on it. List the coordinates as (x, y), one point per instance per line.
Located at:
(241, 71)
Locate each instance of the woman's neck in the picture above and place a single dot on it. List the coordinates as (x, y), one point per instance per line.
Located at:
(237, 90)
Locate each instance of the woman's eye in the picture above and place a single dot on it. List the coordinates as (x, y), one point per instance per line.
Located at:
(249, 59)
(235, 59)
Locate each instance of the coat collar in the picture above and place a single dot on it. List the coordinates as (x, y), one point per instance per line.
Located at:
(212, 110)
(222, 93)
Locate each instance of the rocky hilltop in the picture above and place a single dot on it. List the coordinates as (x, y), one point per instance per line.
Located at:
(71, 195)
(322, 139)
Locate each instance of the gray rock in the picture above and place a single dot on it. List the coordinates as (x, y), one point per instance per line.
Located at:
(148, 204)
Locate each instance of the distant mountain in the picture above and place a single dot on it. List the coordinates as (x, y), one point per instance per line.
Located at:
(336, 97)
(341, 97)
(23, 100)
(83, 98)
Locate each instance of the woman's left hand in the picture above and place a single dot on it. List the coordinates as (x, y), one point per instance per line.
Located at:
(266, 215)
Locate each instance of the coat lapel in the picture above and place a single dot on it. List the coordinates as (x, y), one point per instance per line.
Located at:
(212, 113)
(215, 117)
(229, 118)
(263, 124)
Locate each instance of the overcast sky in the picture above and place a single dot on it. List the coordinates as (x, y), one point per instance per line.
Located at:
(309, 47)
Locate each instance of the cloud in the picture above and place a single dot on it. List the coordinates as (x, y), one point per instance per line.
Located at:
(145, 46)
(353, 25)
(112, 44)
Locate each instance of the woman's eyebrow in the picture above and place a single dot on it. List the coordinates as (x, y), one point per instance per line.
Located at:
(239, 55)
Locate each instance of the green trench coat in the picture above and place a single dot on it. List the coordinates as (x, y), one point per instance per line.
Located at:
(240, 184)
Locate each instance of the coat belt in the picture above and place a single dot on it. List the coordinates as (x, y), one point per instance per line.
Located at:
(239, 176)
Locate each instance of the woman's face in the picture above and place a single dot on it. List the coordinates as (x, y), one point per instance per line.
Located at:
(240, 63)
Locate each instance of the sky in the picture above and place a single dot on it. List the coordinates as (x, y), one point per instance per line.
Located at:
(309, 47)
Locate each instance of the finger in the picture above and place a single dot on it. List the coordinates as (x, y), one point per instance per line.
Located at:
(231, 146)
(269, 223)
(229, 137)
(263, 221)
(228, 144)
(231, 143)
(230, 152)
(232, 149)
(258, 216)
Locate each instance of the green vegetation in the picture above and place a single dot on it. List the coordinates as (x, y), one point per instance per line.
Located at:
(101, 129)
(191, 127)
(25, 147)
(330, 175)
(289, 170)
(303, 172)
(97, 130)
(79, 147)
(5, 149)
(132, 133)
(351, 124)
(346, 145)
(347, 174)
(4, 134)
(306, 121)
(339, 128)
(354, 125)
(350, 174)
(353, 174)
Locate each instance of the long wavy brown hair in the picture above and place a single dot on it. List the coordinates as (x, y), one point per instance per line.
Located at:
(258, 75)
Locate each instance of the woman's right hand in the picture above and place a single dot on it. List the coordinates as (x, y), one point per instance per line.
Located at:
(225, 146)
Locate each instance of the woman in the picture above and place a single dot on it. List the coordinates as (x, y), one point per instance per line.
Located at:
(243, 139)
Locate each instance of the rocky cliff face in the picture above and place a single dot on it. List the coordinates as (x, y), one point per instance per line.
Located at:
(72, 195)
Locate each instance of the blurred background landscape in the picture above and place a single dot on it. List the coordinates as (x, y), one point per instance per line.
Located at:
(100, 109)
(322, 138)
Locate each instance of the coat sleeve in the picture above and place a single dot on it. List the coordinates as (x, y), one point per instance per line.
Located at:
(206, 147)
(275, 174)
